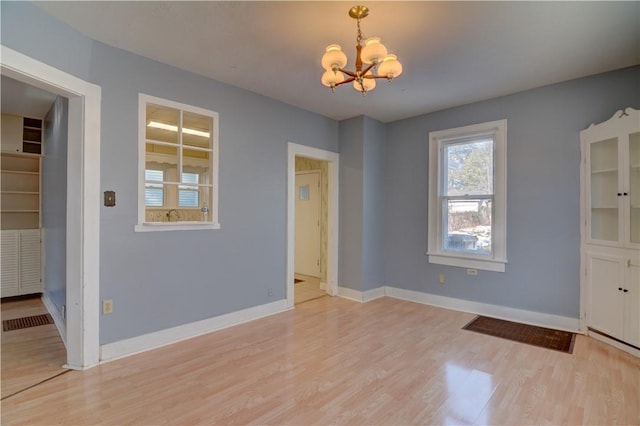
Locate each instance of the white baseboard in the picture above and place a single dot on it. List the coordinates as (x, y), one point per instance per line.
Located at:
(146, 342)
(361, 296)
(633, 351)
(58, 319)
(511, 314)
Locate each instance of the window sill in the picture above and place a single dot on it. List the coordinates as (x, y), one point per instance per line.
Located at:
(493, 265)
(175, 226)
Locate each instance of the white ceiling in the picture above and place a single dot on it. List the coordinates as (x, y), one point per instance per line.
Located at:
(453, 53)
(21, 99)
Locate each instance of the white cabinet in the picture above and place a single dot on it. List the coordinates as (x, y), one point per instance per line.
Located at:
(21, 134)
(610, 216)
(614, 296)
(611, 176)
(20, 259)
(11, 134)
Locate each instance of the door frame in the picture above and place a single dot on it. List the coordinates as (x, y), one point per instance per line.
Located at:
(320, 218)
(83, 200)
(296, 150)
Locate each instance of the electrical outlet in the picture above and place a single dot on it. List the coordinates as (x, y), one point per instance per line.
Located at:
(270, 292)
(107, 307)
(473, 272)
(441, 278)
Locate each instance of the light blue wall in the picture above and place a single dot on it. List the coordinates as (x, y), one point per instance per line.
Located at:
(164, 279)
(543, 186)
(373, 204)
(54, 201)
(27, 29)
(362, 144)
(351, 203)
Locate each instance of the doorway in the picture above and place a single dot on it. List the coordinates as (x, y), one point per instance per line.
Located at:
(33, 226)
(311, 263)
(82, 202)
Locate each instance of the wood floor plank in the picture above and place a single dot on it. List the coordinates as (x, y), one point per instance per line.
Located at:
(335, 361)
(29, 355)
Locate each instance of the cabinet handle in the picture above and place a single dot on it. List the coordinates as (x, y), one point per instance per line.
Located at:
(619, 194)
(626, 290)
(625, 193)
(619, 288)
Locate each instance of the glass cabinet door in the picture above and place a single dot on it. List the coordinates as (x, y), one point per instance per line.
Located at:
(604, 190)
(634, 187)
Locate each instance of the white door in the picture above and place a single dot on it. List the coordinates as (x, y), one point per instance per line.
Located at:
(307, 244)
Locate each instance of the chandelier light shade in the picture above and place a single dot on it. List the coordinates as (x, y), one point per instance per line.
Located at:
(372, 61)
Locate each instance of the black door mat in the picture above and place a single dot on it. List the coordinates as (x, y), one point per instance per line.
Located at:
(538, 336)
(26, 322)
(296, 281)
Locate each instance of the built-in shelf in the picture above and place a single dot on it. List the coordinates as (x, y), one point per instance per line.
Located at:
(20, 191)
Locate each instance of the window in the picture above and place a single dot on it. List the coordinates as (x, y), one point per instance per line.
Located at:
(467, 196)
(178, 161)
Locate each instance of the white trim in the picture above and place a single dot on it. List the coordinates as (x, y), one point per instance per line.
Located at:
(497, 260)
(157, 226)
(147, 342)
(466, 262)
(57, 317)
(332, 158)
(362, 296)
(511, 314)
(83, 199)
(629, 349)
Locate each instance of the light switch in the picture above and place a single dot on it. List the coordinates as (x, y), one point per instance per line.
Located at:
(109, 198)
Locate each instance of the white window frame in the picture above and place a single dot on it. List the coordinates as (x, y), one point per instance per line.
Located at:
(143, 226)
(435, 245)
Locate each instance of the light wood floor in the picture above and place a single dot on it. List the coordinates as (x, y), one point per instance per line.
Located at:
(332, 360)
(308, 289)
(30, 355)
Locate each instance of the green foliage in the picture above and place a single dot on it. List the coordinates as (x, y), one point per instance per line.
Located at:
(470, 168)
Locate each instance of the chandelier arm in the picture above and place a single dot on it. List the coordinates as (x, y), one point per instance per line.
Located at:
(366, 70)
(349, 73)
(375, 76)
(349, 80)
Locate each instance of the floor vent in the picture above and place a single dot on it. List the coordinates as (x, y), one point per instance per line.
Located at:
(538, 336)
(26, 322)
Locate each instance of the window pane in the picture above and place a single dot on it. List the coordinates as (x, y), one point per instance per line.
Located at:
(153, 192)
(154, 175)
(162, 123)
(468, 226)
(153, 195)
(196, 130)
(188, 197)
(469, 168)
(190, 178)
(164, 158)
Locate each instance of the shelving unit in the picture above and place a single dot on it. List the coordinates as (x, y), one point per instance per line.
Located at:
(20, 191)
(20, 224)
(32, 136)
(611, 229)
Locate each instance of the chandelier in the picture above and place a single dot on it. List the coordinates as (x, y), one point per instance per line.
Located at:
(373, 55)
